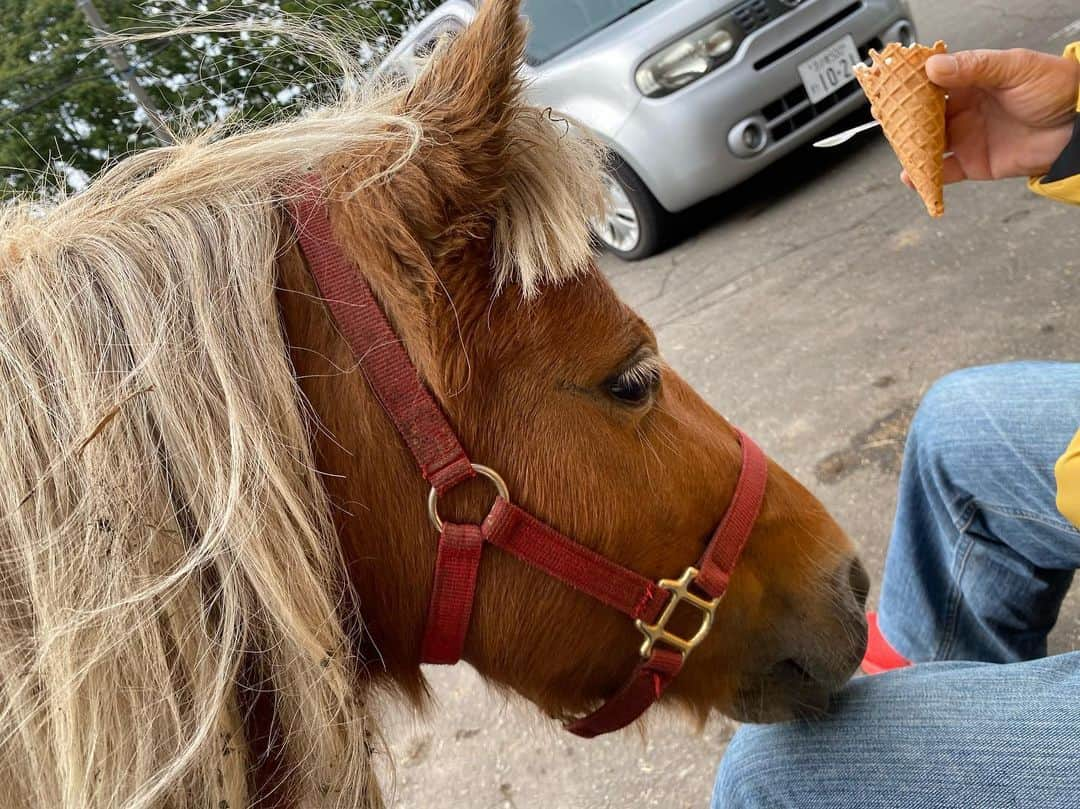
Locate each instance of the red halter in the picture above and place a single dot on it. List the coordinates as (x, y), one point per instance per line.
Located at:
(444, 464)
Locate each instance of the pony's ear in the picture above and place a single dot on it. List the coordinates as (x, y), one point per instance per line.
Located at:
(528, 179)
(486, 169)
(467, 99)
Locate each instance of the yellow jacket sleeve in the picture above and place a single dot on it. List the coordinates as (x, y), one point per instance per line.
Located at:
(1067, 472)
(1068, 189)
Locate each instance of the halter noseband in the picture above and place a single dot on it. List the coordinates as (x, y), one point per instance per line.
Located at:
(434, 445)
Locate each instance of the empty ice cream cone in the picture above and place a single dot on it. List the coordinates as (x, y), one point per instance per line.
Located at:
(911, 110)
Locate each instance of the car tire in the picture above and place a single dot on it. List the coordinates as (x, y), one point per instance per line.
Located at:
(636, 225)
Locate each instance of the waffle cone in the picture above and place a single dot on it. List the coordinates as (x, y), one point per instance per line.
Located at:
(912, 114)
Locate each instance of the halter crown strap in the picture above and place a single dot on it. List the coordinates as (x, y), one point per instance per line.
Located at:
(444, 464)
(405, 399)
(378, 350)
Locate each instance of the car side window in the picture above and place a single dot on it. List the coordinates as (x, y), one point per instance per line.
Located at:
(447, 27)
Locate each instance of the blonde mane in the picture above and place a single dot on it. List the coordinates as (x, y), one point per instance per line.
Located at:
(164, 528)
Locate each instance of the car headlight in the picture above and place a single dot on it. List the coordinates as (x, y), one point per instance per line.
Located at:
(686, 60)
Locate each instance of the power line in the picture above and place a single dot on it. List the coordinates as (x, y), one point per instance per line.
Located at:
(72, 82)
(126, 72)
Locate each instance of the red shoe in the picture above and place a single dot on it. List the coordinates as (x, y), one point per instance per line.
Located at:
(880, 656)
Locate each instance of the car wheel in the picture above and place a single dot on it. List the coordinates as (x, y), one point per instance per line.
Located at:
(634, 225)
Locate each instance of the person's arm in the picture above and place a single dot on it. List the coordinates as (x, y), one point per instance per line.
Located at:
(1062, 181)
(1015, 114)
(1067, 472)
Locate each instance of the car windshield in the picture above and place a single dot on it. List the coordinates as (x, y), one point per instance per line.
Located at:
(558, 24)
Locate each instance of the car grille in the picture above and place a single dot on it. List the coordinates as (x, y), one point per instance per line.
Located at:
(807, 36)
(754, 14)
(792, 111)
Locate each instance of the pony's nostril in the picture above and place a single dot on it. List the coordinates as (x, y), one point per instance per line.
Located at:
(792, 669)
(811, 690)
(859, 581)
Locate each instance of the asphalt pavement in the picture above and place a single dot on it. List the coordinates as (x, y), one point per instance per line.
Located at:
(814, 305)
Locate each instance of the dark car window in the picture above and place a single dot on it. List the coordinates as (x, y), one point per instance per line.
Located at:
(450, 26)
(558, 24)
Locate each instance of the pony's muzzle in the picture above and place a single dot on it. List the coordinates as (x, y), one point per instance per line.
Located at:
(859, 582)
(816, 652)
(833, 643)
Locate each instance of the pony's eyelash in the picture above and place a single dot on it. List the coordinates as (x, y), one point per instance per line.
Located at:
(644, 371)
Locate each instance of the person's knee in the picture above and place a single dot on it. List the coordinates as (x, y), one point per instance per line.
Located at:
(746, 769)
(954, 393)
(945, 425)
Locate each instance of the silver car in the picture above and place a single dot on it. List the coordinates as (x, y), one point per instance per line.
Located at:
(692, 96)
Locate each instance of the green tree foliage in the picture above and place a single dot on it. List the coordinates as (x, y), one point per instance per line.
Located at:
(64, 113)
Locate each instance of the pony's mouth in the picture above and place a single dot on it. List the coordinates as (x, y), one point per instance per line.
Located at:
(784, 691)
(815, 656)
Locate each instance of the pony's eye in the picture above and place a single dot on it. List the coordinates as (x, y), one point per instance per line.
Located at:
(634, 386)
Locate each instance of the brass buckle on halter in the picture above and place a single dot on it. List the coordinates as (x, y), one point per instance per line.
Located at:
(482, 471)
(680, 592)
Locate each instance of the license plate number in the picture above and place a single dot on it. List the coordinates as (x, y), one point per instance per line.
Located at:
(829, 70)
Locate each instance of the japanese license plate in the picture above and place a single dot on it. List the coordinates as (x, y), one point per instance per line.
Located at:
(829, 70)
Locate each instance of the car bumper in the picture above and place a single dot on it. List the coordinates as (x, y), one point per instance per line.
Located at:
(679, 145)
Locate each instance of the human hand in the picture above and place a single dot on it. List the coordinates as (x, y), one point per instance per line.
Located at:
(1009, 113)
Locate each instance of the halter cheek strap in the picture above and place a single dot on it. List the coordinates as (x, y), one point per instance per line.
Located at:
(444, 464)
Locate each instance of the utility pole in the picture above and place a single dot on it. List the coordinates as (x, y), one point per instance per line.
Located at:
(126, 72)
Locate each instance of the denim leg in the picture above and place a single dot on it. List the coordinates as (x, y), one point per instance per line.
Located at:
(980, 559)
(943, 735)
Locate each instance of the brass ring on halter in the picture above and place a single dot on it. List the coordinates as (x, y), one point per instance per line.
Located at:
(480, 469)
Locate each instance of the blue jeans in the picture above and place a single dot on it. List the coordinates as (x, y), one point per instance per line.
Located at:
(956, 735)
(980, 558)
(979, 562)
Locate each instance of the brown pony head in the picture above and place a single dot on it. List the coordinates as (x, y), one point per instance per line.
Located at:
(477, 246)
